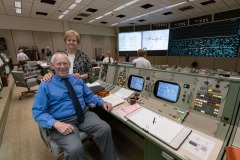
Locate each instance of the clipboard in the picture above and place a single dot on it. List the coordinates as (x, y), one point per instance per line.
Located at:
(164, 129)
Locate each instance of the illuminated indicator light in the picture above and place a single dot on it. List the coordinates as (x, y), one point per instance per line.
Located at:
(215, 95)
(209, 90)
(218, 105)
(219, 96)
(179, 119)
(180, 111)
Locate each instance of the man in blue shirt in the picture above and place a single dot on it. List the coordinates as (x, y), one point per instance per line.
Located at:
(53, 108)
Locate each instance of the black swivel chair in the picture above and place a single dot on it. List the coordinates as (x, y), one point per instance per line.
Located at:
(23, 81)
(53, 146)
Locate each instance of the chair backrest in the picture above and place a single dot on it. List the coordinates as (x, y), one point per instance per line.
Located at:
(33, 63)
(18, 77)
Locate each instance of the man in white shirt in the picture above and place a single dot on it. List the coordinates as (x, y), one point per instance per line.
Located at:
(22, 58)
(109, 58)
(142, 62)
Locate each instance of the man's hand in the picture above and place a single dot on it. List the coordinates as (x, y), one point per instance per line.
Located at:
(107, 106)
(64, 128)
(47, 76)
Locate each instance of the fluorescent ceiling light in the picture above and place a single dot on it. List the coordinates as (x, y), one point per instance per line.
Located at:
(129, 3)
(125, 5)
(91, 21)
(78, 1)
(108, 13)
(158, 10)
(66, 12)
(99, 17)
(61, 16)
(178, 4)
(72, 6)
(18, 10)
(17, 4)
(114, 24)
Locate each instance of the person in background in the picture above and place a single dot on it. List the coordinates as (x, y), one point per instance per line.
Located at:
(81, 66)
(141, 62)
(109, 58)
(43, 54)
(126, 57)
(48, 52)
(61, 118)
(22, 58)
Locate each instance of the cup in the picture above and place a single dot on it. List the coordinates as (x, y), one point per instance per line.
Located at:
(132, 100)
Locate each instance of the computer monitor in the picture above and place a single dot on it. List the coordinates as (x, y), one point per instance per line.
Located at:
(167, 91)
(136, 83)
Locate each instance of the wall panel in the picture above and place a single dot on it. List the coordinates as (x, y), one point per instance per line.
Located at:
(58, 42)
(7, 35)
(87, 45)
(228, 64)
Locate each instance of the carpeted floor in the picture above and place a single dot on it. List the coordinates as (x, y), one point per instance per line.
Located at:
(22, 141)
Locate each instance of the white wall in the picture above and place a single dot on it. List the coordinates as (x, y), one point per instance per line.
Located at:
(22, 31)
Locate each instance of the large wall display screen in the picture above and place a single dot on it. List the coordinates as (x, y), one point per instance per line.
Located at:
(155, 40)
(130, 41)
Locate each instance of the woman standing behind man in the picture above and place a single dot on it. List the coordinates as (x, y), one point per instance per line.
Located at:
(80, 62)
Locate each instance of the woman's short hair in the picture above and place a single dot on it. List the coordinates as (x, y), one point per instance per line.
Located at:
(71, 33)
(141, 53)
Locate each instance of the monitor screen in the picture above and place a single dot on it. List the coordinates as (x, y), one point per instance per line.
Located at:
(155, 40)
(130, 41)
(167, 91)
(136, 83)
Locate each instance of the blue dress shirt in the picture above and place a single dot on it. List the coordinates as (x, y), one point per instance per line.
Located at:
(52, 101)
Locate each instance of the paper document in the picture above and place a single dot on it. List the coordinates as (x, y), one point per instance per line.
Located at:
(129, 109)
(113, 99)
(198, 145)
(93, 84)
(124, 93)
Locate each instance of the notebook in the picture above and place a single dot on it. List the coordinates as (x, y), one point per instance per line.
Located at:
(166, 130)
(113, 99)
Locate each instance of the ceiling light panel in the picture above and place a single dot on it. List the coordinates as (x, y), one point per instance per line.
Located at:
(17, 4)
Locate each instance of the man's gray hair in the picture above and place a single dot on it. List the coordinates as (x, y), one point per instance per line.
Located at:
(57, 54)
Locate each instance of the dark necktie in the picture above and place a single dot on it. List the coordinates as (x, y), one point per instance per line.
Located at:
(109, 60)
(76, 103)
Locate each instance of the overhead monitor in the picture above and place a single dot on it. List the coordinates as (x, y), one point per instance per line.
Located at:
(167, 91)
(130, 41)
(136, 83)
(155, 39)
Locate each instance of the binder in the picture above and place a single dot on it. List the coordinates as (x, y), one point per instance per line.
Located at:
(232, 153)
(168, 131)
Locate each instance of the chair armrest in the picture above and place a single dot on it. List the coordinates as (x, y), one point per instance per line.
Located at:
(91, 105)
(33, 76)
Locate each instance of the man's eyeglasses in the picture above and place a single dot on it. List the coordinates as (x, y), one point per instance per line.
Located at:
(60, 64)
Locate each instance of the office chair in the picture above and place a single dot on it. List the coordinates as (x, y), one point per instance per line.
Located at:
(30, 70)
(53, 146)
(22, 81)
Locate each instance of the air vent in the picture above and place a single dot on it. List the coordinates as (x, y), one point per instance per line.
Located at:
(76, 18)
(131, 23)
(167, 13)
(92, 10)
(84, 14)
(52, 2)
(120, 16)
(207, 2)
(141, 20)
(104, 22)
(41, 13)
(146, 6)
(186, 8)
